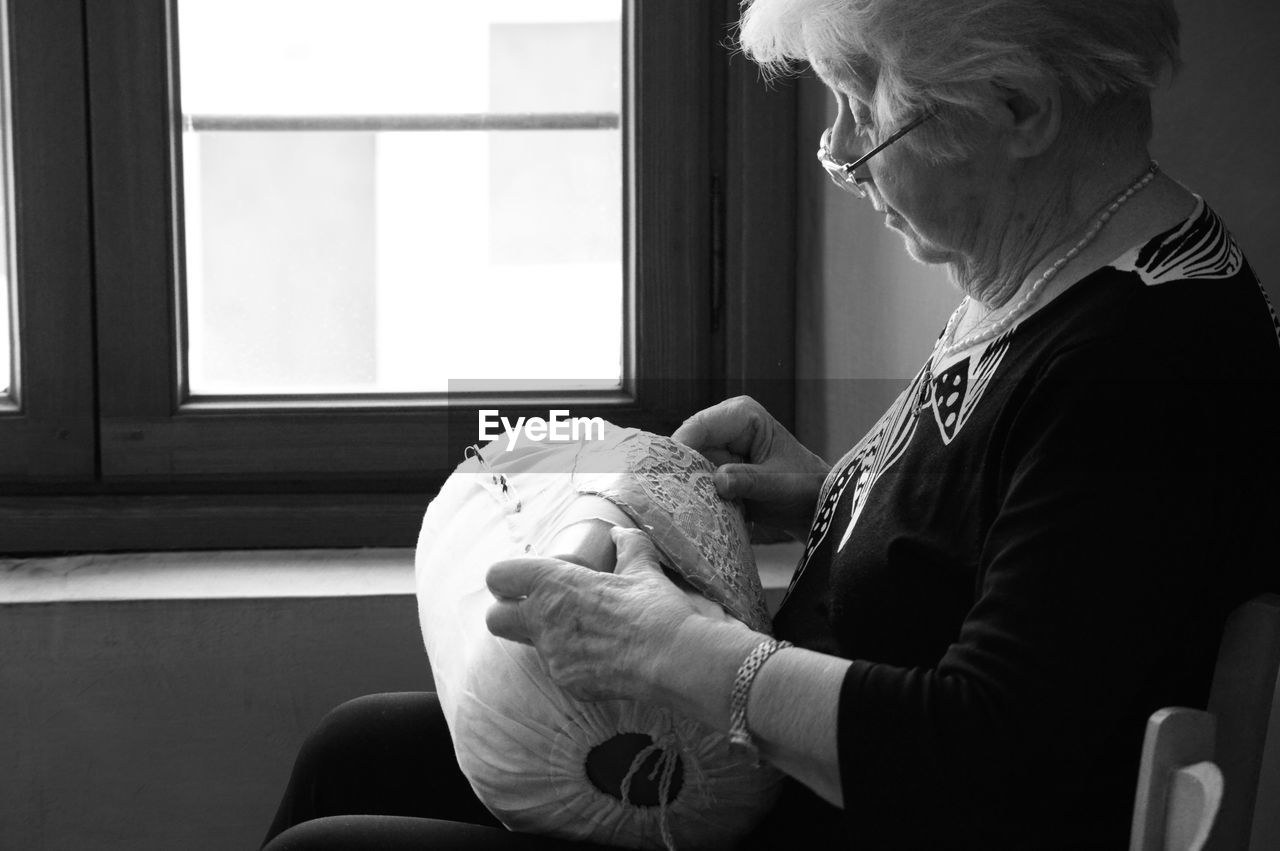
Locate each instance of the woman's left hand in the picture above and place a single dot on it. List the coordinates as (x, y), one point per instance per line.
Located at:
(600, 635)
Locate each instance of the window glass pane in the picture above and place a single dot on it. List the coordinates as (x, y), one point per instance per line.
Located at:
(7, 324)
(389, 200)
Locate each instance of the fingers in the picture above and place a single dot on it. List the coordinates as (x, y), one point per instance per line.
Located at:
(635, 551)
(721, 456)
(506, 620)
(738, 481)
(730, 426)
(513, 615)
(517, 577)
(693, 433)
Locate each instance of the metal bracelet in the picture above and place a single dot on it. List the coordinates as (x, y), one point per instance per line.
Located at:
(739, 734)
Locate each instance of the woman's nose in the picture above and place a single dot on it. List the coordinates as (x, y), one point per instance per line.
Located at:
(844, 142)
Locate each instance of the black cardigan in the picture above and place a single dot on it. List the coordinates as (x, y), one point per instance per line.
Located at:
(1036, 548)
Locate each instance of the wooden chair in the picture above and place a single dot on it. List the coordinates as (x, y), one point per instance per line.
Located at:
(1212, 779)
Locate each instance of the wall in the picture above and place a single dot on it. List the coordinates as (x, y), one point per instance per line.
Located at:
(1217, 125)
(868, 314)
(171, 723)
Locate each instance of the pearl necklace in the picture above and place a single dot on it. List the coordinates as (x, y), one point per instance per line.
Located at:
(945, 342)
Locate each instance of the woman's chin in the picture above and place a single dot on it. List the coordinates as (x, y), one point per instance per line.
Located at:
(919, 250)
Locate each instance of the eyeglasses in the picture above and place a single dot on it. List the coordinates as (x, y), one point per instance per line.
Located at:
(844, 175)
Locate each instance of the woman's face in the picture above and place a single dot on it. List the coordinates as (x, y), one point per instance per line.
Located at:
(945, 212)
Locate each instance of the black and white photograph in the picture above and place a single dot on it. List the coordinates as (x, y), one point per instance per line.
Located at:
(639, 424)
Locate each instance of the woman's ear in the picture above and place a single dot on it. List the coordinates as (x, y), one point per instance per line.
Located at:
(1032, 114)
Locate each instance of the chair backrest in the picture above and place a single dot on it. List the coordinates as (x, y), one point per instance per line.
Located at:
(1245, 701)
(1195, 794)
(1179, 790)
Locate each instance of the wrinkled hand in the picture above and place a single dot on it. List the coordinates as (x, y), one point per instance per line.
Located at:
(599, 635)
(758, 461)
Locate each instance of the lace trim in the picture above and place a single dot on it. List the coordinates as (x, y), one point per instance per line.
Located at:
(669, 491)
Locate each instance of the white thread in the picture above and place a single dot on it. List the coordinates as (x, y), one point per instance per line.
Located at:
(573, 523)
(668, 750)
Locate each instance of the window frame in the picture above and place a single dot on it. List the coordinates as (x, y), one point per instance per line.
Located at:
(711, 312)
(47, 425)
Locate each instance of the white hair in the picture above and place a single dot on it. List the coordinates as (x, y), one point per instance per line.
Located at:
(943, 54)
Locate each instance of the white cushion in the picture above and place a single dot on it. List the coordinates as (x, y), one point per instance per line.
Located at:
(522, 742)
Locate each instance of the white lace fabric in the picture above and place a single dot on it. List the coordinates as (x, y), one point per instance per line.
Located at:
(667, 489)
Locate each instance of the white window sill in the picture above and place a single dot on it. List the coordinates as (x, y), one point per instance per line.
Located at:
(254, 574)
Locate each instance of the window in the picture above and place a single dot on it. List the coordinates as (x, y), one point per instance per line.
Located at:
(353, 206)
(161, 399)
(47, 413)
(6, 215)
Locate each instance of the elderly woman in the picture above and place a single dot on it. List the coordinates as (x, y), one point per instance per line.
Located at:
(1037, 545)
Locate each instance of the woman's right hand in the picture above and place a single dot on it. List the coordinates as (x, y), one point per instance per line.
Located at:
(757, 461)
